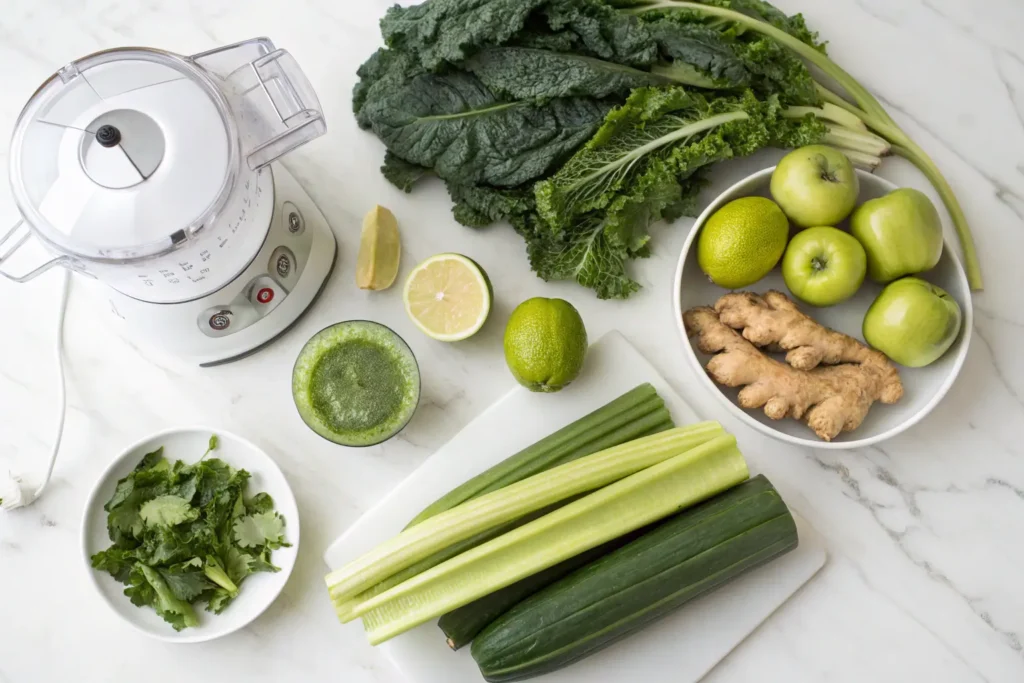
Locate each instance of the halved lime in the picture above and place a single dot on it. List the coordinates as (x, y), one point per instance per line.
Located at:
(448, 296)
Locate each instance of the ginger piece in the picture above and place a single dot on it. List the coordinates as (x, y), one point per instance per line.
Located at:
(831, 399)
(774, 321)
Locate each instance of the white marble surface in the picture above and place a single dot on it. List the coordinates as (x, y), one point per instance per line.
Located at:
(924, 581)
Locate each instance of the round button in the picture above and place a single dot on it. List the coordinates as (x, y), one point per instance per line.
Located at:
(283, 265)
(292, 218)
(220, 321)
(265, 295)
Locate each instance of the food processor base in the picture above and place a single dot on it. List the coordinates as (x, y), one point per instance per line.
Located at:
(281, 282)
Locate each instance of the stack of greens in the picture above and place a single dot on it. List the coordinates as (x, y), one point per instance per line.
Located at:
(187, 533)
(583, 122)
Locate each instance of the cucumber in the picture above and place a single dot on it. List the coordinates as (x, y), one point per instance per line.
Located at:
(683, 557)
(462, 625)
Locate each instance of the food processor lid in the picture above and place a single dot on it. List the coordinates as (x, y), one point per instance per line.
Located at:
(123, 154)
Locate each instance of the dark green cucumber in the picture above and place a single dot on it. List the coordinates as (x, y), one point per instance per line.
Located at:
(635, 413)
(461, 626)
(681, 558)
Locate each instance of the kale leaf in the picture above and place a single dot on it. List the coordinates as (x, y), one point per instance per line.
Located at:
(528, 74)
(586, 253)
(401, 173)
(442, 31)
(603, 31)
(698, 54)
(455, 125)
(477, 206)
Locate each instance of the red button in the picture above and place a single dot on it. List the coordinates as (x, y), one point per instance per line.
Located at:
(265, 295)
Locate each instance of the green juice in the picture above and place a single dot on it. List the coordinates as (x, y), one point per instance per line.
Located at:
(356, 383)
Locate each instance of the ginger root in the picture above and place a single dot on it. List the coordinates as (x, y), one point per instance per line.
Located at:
(774, 320)
(831, 399)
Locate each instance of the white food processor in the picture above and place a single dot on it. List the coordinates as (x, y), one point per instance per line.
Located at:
(152, 173)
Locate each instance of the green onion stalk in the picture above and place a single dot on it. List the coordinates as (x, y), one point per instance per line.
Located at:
(843, 133)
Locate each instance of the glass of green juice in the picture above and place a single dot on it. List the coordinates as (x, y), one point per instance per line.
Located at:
(356, 383)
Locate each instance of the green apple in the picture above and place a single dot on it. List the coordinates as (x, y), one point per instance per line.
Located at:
(815, 185)
(901, 233)
(913, 322)
(824, 266)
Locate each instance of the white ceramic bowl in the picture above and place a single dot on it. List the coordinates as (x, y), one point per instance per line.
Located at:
(258, 590)
(924, 387)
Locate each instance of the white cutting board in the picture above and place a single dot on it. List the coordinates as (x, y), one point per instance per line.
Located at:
(682, 647)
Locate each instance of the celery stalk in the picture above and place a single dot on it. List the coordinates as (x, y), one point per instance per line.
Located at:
(859, 141)
(513, 501)
(344, 608)
(647, 496)
(579, 439)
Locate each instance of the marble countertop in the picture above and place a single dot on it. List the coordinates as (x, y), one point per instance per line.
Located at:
(924, 531)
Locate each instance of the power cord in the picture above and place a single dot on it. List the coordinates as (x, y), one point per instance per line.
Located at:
(14, 491)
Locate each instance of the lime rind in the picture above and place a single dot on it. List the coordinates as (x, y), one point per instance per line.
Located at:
(545, 344)
(330, 338)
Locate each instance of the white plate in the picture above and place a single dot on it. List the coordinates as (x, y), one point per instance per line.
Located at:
(686, 643)
(923, 387)
(258, 591)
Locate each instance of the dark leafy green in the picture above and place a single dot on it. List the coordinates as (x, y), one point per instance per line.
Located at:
(529, 74)
(449, 31)
(698, 55)
(640, 167)
(477, 206)
(455, 125)
(184, 534)
(524, 109)
(401, 173)
(442, 32)
(602, 31)
(658, 136)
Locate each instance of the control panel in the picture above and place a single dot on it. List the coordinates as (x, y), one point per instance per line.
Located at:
(281, 259)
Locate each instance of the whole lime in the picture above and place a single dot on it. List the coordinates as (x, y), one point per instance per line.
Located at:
(742, 241)
(545, 344)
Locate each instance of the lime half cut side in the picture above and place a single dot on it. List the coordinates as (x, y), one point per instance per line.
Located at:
(448, 296)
